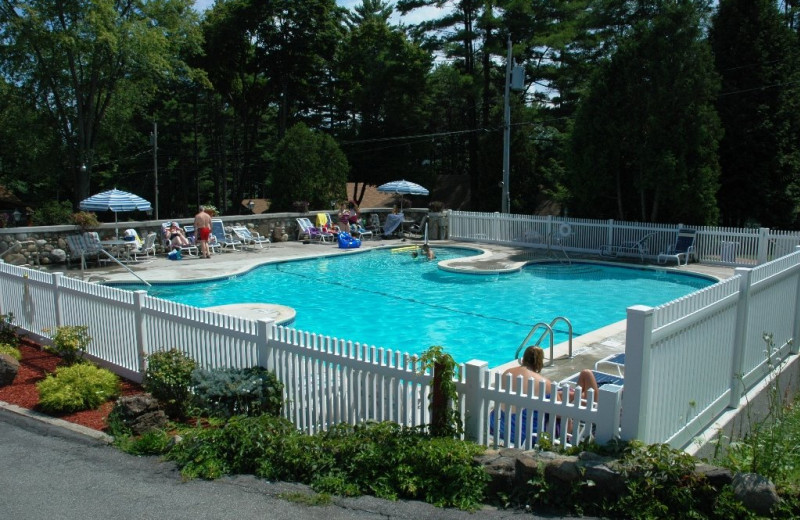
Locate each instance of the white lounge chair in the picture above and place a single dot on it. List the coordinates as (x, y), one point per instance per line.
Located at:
(250, 238)
(225, 240)
(147, 248)
(307, 229)
(639, 247)
(682, 248)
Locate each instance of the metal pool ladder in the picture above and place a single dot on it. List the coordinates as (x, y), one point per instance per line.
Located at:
(548, 332)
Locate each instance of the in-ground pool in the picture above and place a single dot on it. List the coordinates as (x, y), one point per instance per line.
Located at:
(395, 301)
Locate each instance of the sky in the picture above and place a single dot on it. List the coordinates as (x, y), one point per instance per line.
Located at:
(416, 16)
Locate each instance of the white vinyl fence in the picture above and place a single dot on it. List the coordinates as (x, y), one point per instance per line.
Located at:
(686, 361)
(326, 380)
(713, 245)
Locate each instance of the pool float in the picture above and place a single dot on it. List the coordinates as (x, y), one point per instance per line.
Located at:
(346, 241)
(404, 249)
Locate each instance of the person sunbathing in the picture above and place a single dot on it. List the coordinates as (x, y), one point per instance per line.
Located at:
(177, 238)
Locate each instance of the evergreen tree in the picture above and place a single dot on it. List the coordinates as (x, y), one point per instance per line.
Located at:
(756, 55)
(645, 138)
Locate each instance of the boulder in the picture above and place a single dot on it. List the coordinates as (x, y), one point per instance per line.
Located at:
(58, 256)
(141, 413)
(757, 493)
(8, 369)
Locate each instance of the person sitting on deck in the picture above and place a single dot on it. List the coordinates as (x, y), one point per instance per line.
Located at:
(176, 236)
(531, 367)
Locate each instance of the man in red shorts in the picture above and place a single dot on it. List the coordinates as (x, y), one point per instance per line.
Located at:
(202, 226)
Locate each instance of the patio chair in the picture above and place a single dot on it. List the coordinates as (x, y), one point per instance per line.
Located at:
(147, 248)
(90, 241)
(224, 239)
(417, 230)
(375, 224)
(78, 249)
(639, 247)
(602, 378)
(615, 360)
(361, 231)
(683, 247)
(190, 249)
(309, 230)
(250, 238)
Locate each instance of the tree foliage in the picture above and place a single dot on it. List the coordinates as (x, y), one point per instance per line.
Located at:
(618, 117)
(756, 55)
(74, 58)
(309, 166)
(645, 138)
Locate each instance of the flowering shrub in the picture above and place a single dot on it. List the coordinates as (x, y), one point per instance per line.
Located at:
(85, 220)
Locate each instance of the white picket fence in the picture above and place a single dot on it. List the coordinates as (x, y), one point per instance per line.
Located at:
(686, 361)
(713, 245)
(326, 380)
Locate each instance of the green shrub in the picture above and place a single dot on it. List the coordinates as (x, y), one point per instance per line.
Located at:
(11, 350)
(70, 342)
(77, 387)
(168, 378)
(8, 334)
(239, 446)
(149, 443)
(228, 392)
(390, 461)
(382, 459)
(52, 213)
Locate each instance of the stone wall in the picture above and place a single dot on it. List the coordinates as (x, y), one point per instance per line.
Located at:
(513, 471)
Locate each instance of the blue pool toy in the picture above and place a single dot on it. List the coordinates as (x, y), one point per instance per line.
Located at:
(346, 241)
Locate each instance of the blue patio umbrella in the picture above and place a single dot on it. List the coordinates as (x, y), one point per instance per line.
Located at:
(114, 200)
(403, 188)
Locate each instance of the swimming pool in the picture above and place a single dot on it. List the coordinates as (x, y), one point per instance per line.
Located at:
(394, 301)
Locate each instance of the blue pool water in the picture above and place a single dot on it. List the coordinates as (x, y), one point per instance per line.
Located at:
(394, 301)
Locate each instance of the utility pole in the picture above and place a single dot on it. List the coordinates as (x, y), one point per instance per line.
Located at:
(515, 80)
(506, 133)
(154, 141)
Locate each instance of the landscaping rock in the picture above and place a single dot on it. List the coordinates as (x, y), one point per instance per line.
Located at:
(8, 369)
(716, 475)
(757, 493)
(141, 413)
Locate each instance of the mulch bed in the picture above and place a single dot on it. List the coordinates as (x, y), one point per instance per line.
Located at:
(34, 366)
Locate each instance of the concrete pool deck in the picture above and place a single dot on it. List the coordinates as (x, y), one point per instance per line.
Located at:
(587, 349)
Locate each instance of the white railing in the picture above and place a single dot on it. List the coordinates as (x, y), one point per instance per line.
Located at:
(688, 360)
(714, 245)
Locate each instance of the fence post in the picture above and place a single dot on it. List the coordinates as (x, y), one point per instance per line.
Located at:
(637, 373)
(610, 232)
(763, 245)
(138, 329)
(264, 356)
(795, 348)
(474, 374)
(2, 299)
(609, 402)
(740, 335)
(56, 281)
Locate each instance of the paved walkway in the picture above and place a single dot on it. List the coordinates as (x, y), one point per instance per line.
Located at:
(587, 349)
